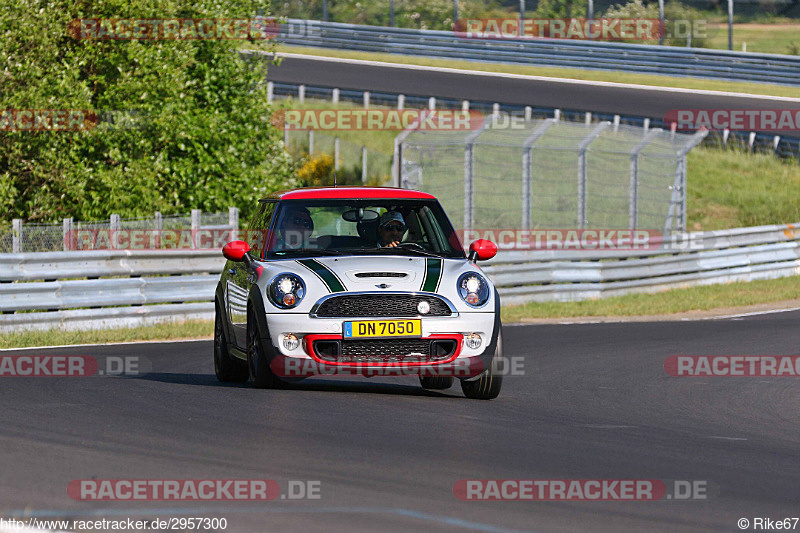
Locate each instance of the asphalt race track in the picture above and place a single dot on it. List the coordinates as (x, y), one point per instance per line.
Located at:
(594, 403)
(325, 72)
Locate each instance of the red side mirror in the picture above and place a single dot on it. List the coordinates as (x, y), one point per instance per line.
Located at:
(482, 250)
(235, 250)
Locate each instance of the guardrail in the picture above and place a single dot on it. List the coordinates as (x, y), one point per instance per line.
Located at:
(146, 287)
(643, 59)
(742, 254)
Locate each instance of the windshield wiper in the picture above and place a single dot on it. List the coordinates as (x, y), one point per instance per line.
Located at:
(308, 252)
(412, 250)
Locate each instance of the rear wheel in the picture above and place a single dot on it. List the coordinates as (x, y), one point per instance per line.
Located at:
(226, 367)
(261, 374)
(487, 387)
(436, 382)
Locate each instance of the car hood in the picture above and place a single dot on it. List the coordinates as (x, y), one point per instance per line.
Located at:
(362, 273)
(375, 274)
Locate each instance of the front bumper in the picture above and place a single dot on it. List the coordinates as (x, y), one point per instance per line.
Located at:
(303, 361)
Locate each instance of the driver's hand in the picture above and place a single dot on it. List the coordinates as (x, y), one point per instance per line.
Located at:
(393, 244)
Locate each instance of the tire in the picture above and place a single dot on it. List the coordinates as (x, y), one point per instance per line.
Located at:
(259, 371)
(436, 382)
(487, 387)
(227, 369)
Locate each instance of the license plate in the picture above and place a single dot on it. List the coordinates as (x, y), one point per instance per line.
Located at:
(382, 328)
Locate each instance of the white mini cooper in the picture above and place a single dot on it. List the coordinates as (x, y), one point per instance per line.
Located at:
(357, 280)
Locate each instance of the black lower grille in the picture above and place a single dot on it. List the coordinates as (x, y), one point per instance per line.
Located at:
(385, 350)
(389, 305)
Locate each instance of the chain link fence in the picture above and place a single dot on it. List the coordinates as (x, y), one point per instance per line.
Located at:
(548, 173)
(20, 237)
(352, 161)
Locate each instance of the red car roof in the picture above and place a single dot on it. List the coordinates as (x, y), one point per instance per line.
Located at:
(350, 193)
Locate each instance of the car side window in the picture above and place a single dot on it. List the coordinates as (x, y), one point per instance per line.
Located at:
(258, 226)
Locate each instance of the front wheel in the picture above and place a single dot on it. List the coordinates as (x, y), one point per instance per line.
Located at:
(487, 387)
(226, 368)
(261, 374)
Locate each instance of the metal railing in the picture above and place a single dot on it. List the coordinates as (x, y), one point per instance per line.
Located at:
(21, 237)
(643, 59)
(781, 145)
(163, 285)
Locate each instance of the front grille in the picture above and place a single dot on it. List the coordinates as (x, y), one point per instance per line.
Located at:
(385, 350)
(381, 275)
(388, 305)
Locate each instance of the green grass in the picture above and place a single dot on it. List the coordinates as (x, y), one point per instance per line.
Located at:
(733, 188)
(570, 73)
(775, 38)
(673, 301)
(173, 331)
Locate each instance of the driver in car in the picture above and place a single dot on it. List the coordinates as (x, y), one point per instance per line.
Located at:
(295, 229)
(391, 229)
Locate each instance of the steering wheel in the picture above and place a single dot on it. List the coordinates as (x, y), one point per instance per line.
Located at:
(411, 245)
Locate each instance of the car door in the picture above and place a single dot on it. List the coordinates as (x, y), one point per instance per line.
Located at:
(240, 277)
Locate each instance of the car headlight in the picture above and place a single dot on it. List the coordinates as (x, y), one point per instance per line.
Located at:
(286, 290)
(473, 289)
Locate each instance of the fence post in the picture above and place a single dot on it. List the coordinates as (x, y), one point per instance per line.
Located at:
(678, 196)
(233, 222)
(582, 178)
(285, 138)
(397, 156)
(301, 93)
(16, 236)
(270, 91)
(528, 113)
(588, 117)
(233, 217)
(469, 172)
(310, 142)
(195, 221)
(335, 96)
(633, 192)
(432, 103)
(401, 102)
(527, 170)
(336, 153)
(646, 125)
(68, 237)
(495, 108)
(366, 99)
(363, 164)
(158, 225)
(114, 225)
(557, 114)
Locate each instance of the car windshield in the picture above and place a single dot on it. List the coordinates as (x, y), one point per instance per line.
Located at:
(352, 227)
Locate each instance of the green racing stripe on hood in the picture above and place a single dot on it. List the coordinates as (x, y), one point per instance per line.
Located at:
(327, 276)
(433, 274)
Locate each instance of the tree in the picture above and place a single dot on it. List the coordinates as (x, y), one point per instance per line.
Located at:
(195, 129)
